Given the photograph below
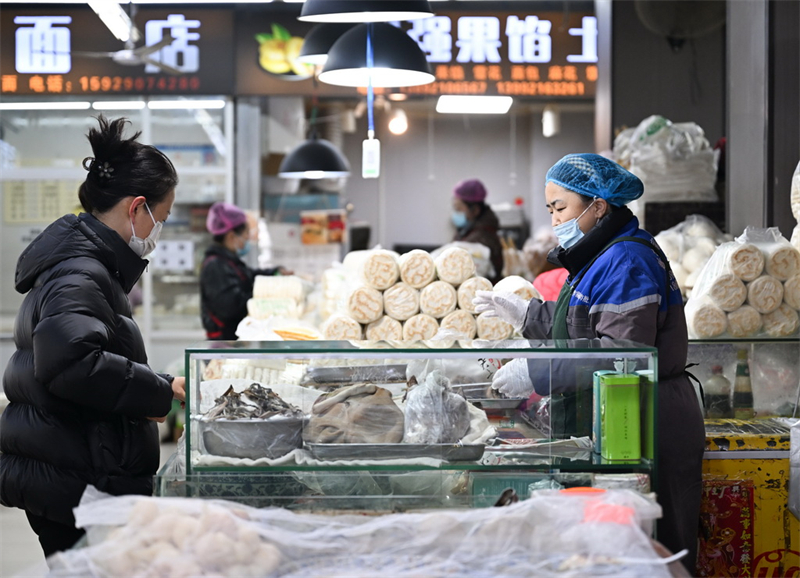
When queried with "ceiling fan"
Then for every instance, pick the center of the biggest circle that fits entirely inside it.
(115, 17)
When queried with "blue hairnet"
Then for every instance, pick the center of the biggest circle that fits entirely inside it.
(596, 176)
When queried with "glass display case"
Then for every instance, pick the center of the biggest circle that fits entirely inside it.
(377, 426)
(746, 465)
(773, 366)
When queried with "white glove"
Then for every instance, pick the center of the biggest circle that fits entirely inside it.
(513, 379)
(508, 306)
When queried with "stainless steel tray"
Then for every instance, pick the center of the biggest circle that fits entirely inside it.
(494, 403)
(447, 452)
(357, 374)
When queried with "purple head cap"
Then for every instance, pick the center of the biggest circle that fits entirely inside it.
(470, 191)
(224, 217)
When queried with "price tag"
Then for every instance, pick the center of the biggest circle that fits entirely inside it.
(371, 158)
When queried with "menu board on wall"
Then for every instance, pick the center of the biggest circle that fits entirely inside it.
(56, 51)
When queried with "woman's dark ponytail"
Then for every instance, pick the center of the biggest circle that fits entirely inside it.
(123, 167)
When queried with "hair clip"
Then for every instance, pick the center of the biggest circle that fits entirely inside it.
(105, 170)
(87, 163)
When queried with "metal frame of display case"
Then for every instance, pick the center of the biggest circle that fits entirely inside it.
(506, 469)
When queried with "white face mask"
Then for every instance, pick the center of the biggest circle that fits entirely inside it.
(143, 247)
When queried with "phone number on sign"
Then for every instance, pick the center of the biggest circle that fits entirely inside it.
(128, 83)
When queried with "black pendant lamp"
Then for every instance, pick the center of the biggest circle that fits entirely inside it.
(364, 10)
(397, 59)
(316, 158)
(319, 40)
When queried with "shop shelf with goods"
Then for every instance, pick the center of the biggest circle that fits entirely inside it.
(377, 426)
(41, 172)
(746, 468)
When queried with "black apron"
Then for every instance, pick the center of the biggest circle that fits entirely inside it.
(565, 420)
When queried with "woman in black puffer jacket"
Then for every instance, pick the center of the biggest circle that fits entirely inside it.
(83, 401)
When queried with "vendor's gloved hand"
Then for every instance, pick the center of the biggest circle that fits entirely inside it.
(513, 379)
(508, 306)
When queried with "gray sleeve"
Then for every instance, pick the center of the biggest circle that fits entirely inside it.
(539, 319)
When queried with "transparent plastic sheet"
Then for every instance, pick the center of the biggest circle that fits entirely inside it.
(749, 287)
(688, 246)
(435, 414)
(551, 534)
(794, 472)
(537, 247)
(362, 413)
(674, 160)
(276, 328)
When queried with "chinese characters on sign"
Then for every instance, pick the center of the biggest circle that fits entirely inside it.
(515, 55)
(179, 54)
(43, 53)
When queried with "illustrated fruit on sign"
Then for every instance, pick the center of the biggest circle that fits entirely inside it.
(278, 52)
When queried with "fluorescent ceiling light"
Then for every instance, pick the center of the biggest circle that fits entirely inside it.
(118, 105)
(185, 104)
(459, 104)
(116, 19)
(74, 105)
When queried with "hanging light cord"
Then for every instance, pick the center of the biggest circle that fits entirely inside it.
(314, 108)
(370, 94)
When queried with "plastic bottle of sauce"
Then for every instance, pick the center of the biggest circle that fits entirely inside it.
(742, 389)
(717, 392)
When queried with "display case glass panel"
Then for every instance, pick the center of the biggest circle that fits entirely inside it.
(373, 424)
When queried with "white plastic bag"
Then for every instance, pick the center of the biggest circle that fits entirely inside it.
(674, 160)
(434, 413)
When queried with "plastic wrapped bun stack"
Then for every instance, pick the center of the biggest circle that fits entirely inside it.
(688, 246)
(749, 287)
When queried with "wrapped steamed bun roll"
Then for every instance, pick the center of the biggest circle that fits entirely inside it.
(365, 304)
(744, 322)
(783, 261)
(420, 327)
(782, 322)
(380, 269)
(765, 294)
(468, 289)
(493, 328)
(461, 322)
(437, 299)
(455, 265)
(385, 329)
(401, 301)
(705, 319)
(728, 292)
(519, 286)
(746, 261)
(791, 292)
(417, 268)
(339, 327)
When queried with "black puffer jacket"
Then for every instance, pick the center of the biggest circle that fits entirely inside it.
(484, 231)
(79, 386)
(226, 284)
